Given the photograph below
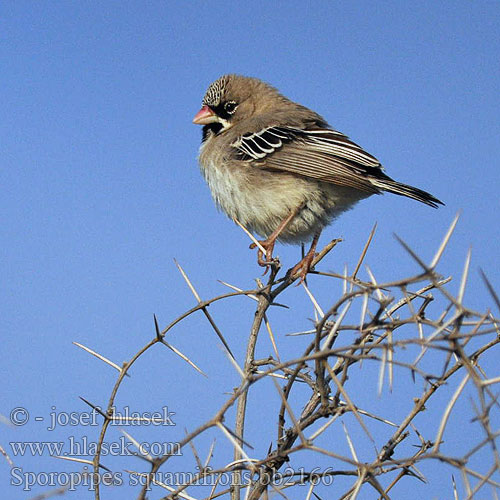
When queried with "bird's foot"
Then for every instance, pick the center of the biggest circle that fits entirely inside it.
(266, 260)
(303, 267)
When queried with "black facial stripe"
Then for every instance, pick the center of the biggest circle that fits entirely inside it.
(221, 112)
(215, 128)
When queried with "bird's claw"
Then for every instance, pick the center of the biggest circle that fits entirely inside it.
(266, 260)
(303, 267)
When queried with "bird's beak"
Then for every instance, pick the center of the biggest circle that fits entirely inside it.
(205, 116)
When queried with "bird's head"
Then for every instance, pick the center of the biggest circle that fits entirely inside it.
(233, 98)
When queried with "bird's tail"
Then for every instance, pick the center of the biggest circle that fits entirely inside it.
(405, 190)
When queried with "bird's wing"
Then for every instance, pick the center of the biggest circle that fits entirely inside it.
(322, 154)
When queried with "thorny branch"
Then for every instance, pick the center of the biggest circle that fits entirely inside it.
(394, 320)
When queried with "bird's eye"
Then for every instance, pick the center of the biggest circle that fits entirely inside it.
(230, 107)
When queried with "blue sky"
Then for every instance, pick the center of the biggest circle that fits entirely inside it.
(101, 188)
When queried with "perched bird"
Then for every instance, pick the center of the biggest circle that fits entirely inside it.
(279, 169)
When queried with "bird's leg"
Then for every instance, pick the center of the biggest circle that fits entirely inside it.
(269, 243)
(304, 266)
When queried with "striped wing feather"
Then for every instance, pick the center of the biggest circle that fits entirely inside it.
(321, 154)
(325, 155)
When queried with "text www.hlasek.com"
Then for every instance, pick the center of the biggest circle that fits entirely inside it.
(84, 448)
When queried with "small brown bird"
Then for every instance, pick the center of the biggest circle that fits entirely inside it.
(279, 169)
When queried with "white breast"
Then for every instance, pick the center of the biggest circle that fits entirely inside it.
(261, 199)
